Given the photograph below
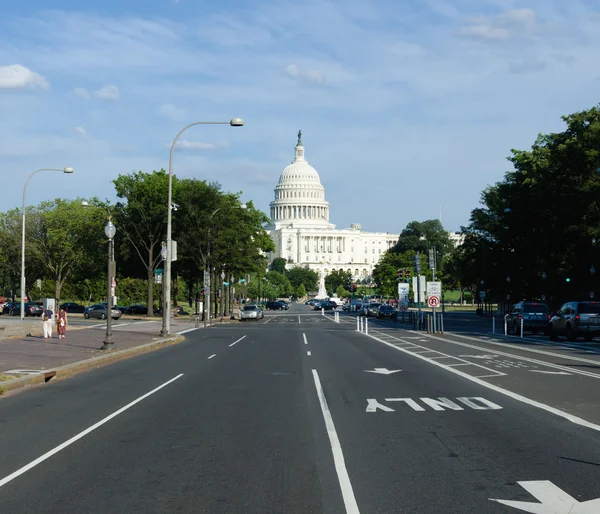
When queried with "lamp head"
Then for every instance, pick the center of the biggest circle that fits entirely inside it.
(110, 230)
(236, 122)
(243, 206)
(68, 170)
(85, 203)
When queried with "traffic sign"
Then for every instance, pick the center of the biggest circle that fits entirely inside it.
(433, 301)
(482, 295)
(403, 307)
(434, 288)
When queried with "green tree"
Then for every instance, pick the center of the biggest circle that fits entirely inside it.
(338, 278)
(142, 216)
(341, 292)
(305, 276)
(301, 291)
(421, 236)
(278, 264)
(284, 287)
(65, 239)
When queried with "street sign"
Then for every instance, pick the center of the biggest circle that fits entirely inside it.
(421, 298)
(39, 283)
(434, 289)
(482, 295)
(225, 284)
(433, 301)
(158, 271)
(403, 290)
(403, 307)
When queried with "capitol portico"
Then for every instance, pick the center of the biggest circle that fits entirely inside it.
(303, 235)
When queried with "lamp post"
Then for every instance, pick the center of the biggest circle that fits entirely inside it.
(110, 231)
(508, 289)
(222, 293)
(64, 170)
(592, 272)
(166, 321)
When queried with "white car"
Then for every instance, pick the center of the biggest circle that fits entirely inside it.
(251, 311)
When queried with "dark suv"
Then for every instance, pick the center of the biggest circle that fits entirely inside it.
(576, 319)
(276, 306)
(535, 316)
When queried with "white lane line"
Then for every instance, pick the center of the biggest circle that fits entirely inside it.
(533, 361)
(97, 325)
(236, 342)
(515, 396)
(213, 355)
(75, 438)
(299, 320)
(308, 353)
(181, 332)
(270, 319)
(304, 336)
(336, 449)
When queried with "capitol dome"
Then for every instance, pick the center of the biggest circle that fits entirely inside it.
(299, 195)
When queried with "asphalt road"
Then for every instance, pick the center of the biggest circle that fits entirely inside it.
(299, 414)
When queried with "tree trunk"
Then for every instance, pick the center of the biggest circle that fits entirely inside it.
(462, 291)
(58, 283)
(150, 311)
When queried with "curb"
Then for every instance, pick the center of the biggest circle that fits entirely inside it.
(95, 362)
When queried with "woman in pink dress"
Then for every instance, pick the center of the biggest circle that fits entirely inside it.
(61, 323)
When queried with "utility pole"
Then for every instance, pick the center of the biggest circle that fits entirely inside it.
(418, 270)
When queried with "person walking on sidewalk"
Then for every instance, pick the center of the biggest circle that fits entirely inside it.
(61, 323)
(47, 322)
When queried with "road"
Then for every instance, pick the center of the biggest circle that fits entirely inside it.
(298, 414)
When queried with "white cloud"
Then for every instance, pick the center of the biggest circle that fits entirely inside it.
(16, 76)
(82, 93)
(193, 145)
(82, 132)
(170, 111)
(308, 75)
(109, 92)
(505, 24)
(483, 32)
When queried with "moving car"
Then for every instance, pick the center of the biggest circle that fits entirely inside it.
(535, 316)
(72, 307)
(386, 312)
(277, 305)
(14, 309)
(251, 311)
(370, 309)
(100, 311)
(326, 305)
(576, 319)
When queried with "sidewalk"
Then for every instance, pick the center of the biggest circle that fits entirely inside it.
(34, 353)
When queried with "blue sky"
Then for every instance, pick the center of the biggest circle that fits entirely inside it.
(404, 106)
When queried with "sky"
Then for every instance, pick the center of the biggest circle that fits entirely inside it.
(406, 107)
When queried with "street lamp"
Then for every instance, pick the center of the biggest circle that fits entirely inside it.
(109, 230)
(166, 321)
(64, 170)
(592, 271)
(222, 292)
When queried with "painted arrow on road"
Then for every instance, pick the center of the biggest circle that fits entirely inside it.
(553, 500)
(382, 371)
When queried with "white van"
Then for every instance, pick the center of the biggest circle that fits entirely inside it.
(338, 301)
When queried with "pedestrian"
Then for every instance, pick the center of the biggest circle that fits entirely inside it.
(47, 322)
(61, 323)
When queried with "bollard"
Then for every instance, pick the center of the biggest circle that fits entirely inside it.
(521, 327)
(442, 320)
(322, 312)
(197, 321)
(493, 324)
(428, 324)
(505, 327)
(366, 326)
(358, 324)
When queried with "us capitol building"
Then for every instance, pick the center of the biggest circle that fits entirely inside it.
(303, 235)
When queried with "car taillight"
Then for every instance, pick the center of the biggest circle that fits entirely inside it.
(549, 317)
(577, 317)
(520, 316)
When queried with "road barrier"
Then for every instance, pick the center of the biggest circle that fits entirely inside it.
(358, 324)
(322, 312)
(435, 323)
(197, 322)
(367, 326)
(521, 327)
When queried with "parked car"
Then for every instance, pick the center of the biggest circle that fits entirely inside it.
(535, 316)
(251, 311)
(71, 307)
(276, 306)
(576, 319)
(386, 312)
(326, 305)
(31, 309)
(370, 309)
(138, 309)
(100, 311)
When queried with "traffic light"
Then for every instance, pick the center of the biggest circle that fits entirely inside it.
(401, 274)
(407, 274)
(354, 288)
(567, 279)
